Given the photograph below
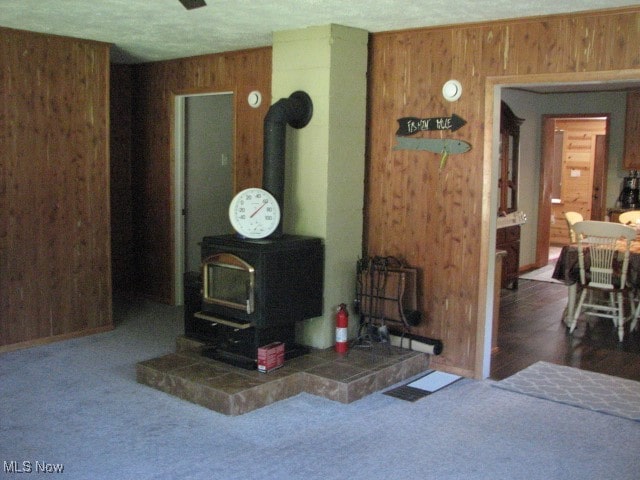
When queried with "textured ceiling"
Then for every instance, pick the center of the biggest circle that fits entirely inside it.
(150, 30)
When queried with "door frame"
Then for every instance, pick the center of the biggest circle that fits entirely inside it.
(493, 88)
(178, 101)
(546, 171)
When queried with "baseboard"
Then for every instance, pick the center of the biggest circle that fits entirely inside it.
(54, 338)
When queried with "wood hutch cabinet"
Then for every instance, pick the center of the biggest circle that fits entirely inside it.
(508, 238)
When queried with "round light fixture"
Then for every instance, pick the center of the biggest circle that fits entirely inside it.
(254, 99)
(452, 90)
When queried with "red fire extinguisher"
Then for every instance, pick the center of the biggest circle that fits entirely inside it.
(342, 322)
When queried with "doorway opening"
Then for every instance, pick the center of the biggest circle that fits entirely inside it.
(203, 176)
(494, 89)
(574, 162)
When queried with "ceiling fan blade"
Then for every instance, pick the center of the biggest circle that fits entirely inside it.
(191, 4)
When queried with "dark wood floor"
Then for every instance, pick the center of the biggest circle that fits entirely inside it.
(531, 330)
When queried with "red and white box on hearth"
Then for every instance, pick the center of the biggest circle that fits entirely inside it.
(270, 356)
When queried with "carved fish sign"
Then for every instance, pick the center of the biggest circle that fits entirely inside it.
(411, 125)
(435, 145)
(443, 146)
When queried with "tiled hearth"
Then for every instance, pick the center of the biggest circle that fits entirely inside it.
(234, 391)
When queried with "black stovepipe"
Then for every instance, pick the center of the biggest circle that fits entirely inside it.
(295, 111)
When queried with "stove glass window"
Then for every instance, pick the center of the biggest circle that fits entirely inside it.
(229, 281)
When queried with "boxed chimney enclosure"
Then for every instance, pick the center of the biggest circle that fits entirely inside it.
(252, 292)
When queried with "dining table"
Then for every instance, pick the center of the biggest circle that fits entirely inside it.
(567, 270)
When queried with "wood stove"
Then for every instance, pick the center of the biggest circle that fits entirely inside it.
(252, 293)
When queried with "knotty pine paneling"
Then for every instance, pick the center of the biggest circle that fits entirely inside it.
(54, 188)
(431, 217)
(154, 88)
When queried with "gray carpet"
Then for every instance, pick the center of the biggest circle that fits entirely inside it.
(77, 403)
(579, 388)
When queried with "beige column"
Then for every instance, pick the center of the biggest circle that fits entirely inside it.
(324, 186)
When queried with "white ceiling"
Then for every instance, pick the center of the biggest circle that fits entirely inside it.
(151, 30)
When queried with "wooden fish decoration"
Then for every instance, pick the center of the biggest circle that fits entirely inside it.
(443, 146)
(435, 145)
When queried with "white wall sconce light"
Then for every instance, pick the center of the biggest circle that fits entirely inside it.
(452, 90)
(254, 99)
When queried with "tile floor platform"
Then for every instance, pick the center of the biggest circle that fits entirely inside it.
(233, 391)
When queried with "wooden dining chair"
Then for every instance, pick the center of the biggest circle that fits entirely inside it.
(603, 258)
(572, 218)
(631, 217)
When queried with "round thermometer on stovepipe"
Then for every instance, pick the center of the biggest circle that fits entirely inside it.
(254, 213)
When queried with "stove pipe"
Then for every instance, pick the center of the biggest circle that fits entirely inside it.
(296, 111)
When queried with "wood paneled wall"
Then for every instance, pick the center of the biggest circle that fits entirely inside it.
(155, 87)
(54, 188)
(432, 216)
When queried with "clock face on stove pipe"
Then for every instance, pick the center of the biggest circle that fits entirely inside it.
(254, 213)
